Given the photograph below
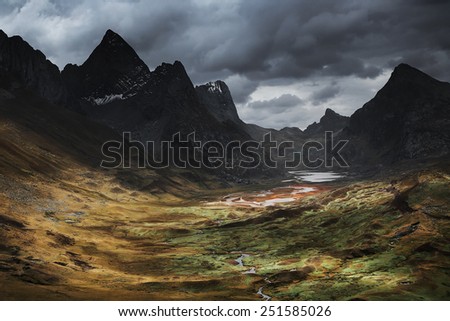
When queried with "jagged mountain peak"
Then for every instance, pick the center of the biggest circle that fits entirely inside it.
(404, 70)
(165, 67)
(330, 121)
(112, 38)
(331, 116)
(217, 87)
(405, 73)
(406, 79)
(30, 67)
(217, 96)
(22, 47)
(114, 52)
(109, 34)
(408, 117)
(330, 112)
(113, 41)
(113, 71)
(174, 76)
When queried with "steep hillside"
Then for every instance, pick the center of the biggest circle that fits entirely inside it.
(408, 118)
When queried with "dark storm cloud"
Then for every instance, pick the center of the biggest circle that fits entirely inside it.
(262, 39)
(277, 105)
(248, 43)
(323, 95)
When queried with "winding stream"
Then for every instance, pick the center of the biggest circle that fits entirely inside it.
(264, 296)
(240, 260)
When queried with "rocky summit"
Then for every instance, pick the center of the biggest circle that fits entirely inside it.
(331, 121)
(113, 71)
(407, 119)
(20, 64)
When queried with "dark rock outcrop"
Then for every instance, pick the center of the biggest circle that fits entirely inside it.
(20, 63)
(407, 119)
(217, 97)
(113, 71)
(115, 87)
(331, 121)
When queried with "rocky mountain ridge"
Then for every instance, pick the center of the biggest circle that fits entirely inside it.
(407, 119)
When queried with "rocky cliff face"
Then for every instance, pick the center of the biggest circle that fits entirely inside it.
(217, 97)
(30, 68)
(112, 72)
(115, 86)
(407, 119)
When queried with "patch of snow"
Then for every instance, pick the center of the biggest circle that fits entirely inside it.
(214, 87)
(106, 99)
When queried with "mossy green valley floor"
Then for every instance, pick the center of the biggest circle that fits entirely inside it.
(86, 237)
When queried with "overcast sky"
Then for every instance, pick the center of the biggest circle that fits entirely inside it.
(285, 61)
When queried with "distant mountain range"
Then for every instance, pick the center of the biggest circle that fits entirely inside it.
(407, 119)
